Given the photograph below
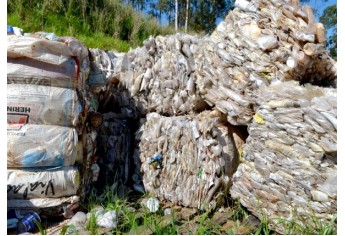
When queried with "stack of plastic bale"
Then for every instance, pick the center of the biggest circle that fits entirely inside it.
(258, 42)
(45, 79)
(262, 41)
(163, 76)
(187, 160)
(289, 170)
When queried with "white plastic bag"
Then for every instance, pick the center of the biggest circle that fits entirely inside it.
(36, 183)
(41, 145)
(29, 71)
(38, 104)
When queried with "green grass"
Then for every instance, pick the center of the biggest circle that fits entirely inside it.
(40, 228)
(91, 224)
(99, 40)
(134, 218)
(108, 24)
(315, 227)
(72, 228)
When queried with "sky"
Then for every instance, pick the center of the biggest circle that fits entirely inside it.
(314, 3)
(318, 5)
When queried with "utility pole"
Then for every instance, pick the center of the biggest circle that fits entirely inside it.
(186, 22)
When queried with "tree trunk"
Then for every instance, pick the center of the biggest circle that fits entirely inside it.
(186, 22)
(176, 15)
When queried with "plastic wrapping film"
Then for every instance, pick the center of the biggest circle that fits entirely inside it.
(48, 208)
(37, 47)
(46, 59)
(39, 203)
(187, 160)
(42, 183)
(38, 104)
(41, 145)
(289, 166)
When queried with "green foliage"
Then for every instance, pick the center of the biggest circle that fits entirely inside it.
(203, 14)
(329, 16)
(100, 40)
(206, 13)
(91, 224)
(64, 229)
(105, 24)
(239, 212)
(312, 227)
(40, 228)
(263, 228)
(329, 19)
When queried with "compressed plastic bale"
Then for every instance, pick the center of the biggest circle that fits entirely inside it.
(187, 160)
(114, 148)
(42, 183)
(254, 52)
(287, 171)
(86, 149)
(29, 71)
(39, 104)
(108, 62)
(155, 77)
(41, 145)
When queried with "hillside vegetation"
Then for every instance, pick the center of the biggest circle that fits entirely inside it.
(106, 24)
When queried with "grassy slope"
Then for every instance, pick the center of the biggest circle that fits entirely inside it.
(107, 25)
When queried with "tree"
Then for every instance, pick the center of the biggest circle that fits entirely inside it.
(205, 13)
(196, 15)
(329, 19)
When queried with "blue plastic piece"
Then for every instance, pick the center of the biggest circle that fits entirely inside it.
(40, 158)
(156, 158)
(52, 36)
(10, 29)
